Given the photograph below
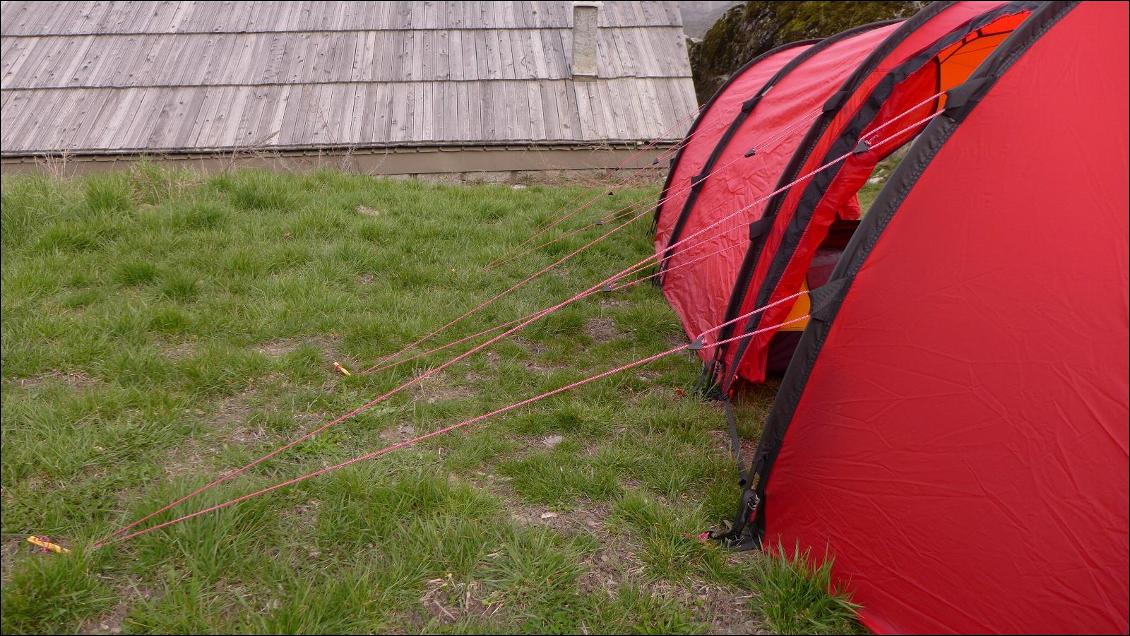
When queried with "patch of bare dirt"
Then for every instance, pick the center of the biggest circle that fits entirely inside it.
(366, 279)
(283, 346)
(178, 351)
(399, 433)
(76, 380)
(305, 515)
(448, 600)
(279, 348)
(438, 388)
(725, 609)
(532, 346)
(113, 622)
(227, 424)
(602, 329)
(612, 303)
(721, 440)
(610, 567)
(367, 211)
(8, 550)
(234, 408)
(189, 458)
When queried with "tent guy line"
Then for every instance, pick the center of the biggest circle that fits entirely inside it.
(381, 398)
(763, 144)
(504, 325)
(698, 343)
(572, 211)
(638, 207)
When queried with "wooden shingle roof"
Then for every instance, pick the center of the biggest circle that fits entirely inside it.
(135, 77)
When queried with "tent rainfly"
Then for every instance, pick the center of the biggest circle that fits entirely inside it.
(952, 424)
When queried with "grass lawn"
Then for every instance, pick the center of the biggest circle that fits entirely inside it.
(160, 328)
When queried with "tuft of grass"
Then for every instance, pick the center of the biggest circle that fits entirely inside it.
(160, 327)
(179, 287)
(108, 193)
(48, 595)
(796, 594)
(135, 273)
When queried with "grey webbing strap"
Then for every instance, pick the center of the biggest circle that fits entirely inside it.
(736, 443)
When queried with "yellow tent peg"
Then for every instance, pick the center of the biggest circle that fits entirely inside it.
(42, 542)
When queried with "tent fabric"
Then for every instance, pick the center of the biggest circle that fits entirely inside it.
(707, 278)
(775, 126)
(953, 428)
(804, 213)
(715, 116)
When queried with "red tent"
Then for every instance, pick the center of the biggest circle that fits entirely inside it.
(953, 426)
(719, 264)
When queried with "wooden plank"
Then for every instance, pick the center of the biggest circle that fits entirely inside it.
(392, 57)
(398, 126)
(355, 110)
(19, 56)
(105, 136)
(292, 131)
(214, 102)
(383, 114)
(47, 128)
(427, 55)
(368, 117)
(129, 129)
(222, 56)
(169, 118)
(442, 69)
(589, 108)
(537, 129)
(494, 53)
(240, 124)
(487, 110)
(157, 50)
(252, 59)
(421, 109)
(467, 119)
(400, 64)
(336, 56)
(14, 119)
(568, 109)
(321, 129)
(365, 68)
(81, 61)
(163, 119)
(655, 120)
(342, 122)
(619, 101)
(231, 116)
(275, 102)
(449, 113)
(23, 130)
(190, 111)
(551, 120)
(417, 54)
(506, 61)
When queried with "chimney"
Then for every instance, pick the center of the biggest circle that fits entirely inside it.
(584, 37)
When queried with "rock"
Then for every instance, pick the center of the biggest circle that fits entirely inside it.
(552, 441)
(748, 30)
